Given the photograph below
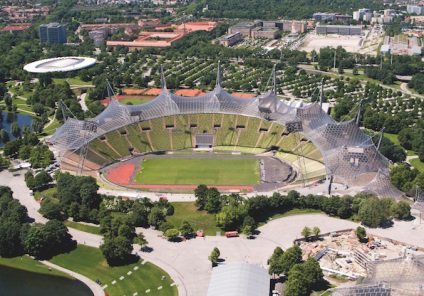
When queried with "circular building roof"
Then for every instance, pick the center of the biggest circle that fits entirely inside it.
(62, 64)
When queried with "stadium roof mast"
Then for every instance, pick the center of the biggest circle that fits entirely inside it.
(110, 92)
(381, 137)
(358, 117)
(218, 76)
(275, 87)
(162, 78)
(64, 109)
(321, 98)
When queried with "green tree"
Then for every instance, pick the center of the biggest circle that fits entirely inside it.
(140, 239)
(116, 250)
(186, 229)
(35, 240)
(42, 179)
(4, 136)
(361, 233)
(51, 210)
(372, 212)
(172, 234)
(15, 129)
(316, 231)
(401, 210)
(214, 256)
(274, 262)
(201, 194)
(156, 216)
(291, 256)
(306, 232)
(38, 109)
(213, 203)
(164, 226)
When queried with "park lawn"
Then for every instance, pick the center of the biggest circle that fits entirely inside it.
(18, 101)
(198, 171)
(48, 193)
(392, 137)
(295, 212)
(71, 81)
(197, 219)
(51, 129)
(416, 163)
(90, 262)
(29, 264)
(134, 101)
(83, 227)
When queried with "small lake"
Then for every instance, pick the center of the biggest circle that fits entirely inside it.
(24, 283)
(9, 118)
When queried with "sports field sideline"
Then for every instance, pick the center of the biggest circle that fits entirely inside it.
(198, 171)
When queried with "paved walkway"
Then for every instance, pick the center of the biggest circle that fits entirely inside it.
(187, 262)
(94, 287)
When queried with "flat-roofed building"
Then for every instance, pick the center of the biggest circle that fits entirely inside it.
(323, 16)
(340, 30)
(244, 28)
(261, 32)
(230, 39)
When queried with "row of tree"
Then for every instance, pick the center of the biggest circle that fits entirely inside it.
(18, 236)
(302, 277)
(234, 212)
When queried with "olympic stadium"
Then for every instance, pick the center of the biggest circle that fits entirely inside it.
(62, 64)
(171, 123)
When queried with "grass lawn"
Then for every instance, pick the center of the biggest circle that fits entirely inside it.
(392, 137)
(198, 171)
(91, 263)
(134, 101)
(296, 212)
(416, 163)
(197, 219)
(50, 130)
(83, 227)
(71, 81)
(48, 193)
(29, 264)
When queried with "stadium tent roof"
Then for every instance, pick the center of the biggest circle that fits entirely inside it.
(62, 64)
(349, 154)
(239, 279)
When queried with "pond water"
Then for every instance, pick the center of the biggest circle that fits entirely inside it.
(9, 118)
(24, 283)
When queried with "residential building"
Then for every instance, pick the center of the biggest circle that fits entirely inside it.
(417, 9)
(359, 14)
(15, 28)
(52, 33)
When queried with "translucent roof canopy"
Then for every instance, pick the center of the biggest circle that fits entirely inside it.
(349, 155)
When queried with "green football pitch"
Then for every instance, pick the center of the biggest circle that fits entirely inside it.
(198, 171)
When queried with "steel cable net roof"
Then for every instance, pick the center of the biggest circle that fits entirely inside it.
(419, 199)
(394, 277)
(349, 155)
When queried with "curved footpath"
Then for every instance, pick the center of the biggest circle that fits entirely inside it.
(187, 262)
(94, 287)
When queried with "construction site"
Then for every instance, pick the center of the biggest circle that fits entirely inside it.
(375, 266)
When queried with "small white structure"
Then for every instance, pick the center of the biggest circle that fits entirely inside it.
(63, 64)
(239, 279)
